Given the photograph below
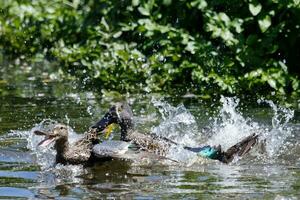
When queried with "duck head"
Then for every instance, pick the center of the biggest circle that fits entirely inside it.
(120, 114)
(58, 133)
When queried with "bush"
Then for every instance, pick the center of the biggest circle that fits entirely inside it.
(205, 47)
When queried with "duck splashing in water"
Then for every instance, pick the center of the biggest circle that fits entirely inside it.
(77, 153)
(121, 114)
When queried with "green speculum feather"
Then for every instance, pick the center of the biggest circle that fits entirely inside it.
(208, 152)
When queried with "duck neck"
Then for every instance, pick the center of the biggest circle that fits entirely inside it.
(61, 146)
(126, 130)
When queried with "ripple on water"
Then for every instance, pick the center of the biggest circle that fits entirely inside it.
(13, 192)
(19, 174)
(28, 171)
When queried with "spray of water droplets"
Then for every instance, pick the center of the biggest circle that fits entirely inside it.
(177, 123)
(45, 157)
(228, 127)
(280, 131)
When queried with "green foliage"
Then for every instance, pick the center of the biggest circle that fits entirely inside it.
(206, 47)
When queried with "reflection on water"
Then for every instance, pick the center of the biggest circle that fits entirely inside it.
(28, 171)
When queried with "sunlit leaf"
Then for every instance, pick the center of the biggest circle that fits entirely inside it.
(191, 47)
(283, 66)
(200, 4)
(272, 83)
(224, 17)
(255, 8)
(117, 34)
(135, 2)
(295, 84)
(264, 23)
(103, 22)
(144, 11)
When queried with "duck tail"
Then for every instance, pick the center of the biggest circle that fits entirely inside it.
(239, 149)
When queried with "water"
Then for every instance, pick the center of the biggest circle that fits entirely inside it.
(27, 171)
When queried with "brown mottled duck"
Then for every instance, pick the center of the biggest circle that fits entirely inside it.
(79, 152)
(122, 115)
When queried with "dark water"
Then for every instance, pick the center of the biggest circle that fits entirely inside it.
(26, 101)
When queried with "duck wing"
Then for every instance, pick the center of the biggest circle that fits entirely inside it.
(239, 149)
(77, 154)
(110, 149)
(80, 151)
(114, 149)
(150, 143)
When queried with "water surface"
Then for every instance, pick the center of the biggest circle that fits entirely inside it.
(28, 172)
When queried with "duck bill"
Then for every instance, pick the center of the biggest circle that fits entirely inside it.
(37, 132)
(46, 141)
(108, 130)
(48, 138)
(102, 124)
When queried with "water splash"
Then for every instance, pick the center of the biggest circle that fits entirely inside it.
(45, 156)
(178, 124)
(62, 174)
(67, 119)
(230, 127)
(280, 131)
(52, 174)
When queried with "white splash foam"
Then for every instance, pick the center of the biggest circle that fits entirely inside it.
(280, 131)
(45, 155)
(182, 156)
(230, 126)
(52, 174)
(178, 123)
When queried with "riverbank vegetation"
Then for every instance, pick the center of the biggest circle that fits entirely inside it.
(198, 46)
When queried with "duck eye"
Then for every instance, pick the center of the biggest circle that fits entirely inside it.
(61, 128)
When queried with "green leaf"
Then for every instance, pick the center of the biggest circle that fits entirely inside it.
(255, 9)
(135, 2)
(272, 83)
(200, 4)
(224, 17)
(104, 23)
(251, 40)
(264, 23)
(143, 11)
(191, 47)
(167, 2)
(295, 84)
(117, 34)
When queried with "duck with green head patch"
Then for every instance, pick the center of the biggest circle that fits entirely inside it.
(121, 114)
